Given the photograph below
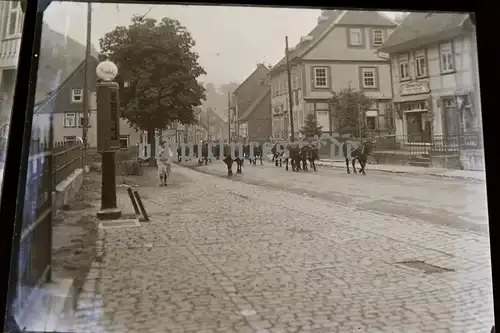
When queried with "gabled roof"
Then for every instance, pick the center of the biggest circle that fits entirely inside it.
(255, 104)
(41, 106)
(422, 25)
(366, 18)
(259, 66)
(315, 33)
(334, 18)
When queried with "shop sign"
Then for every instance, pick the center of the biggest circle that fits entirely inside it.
(414, 88)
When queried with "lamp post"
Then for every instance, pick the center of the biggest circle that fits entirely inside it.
(108, 136)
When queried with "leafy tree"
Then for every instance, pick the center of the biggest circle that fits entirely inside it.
(156, 59)
(311, 127)
(350, 106)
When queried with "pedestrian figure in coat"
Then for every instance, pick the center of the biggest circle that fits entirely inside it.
(164, 163)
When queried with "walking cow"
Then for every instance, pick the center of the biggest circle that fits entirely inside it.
(361, 154)
(310, 153)
(228, 158)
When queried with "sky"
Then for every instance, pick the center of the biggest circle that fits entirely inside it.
(231, 41)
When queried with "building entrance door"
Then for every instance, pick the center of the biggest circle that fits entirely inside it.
(418, 127)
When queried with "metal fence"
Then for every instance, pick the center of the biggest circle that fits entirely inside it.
(47, 167)
(67, 158)
(427, 144)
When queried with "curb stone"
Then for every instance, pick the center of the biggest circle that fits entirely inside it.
(326, 164)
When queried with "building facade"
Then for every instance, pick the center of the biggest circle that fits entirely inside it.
(65, 104)
(434, 74)
(11, 19)
(252, 101)
(339, 53)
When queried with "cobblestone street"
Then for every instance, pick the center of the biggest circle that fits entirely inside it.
(232, 256)
(457, 203)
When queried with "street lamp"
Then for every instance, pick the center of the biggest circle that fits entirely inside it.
(108, 136)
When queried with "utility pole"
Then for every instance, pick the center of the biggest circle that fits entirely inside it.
(208, 123)
(290, 97)
(85, 125)
(229, 114)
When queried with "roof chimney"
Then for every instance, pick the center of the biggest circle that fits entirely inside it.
(306, 38)
(322, 19)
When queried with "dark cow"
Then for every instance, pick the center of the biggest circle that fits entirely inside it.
(228, 159)
(294, 156)
(257, 154)
(278, 151)
(204, 158)
(361, 154)
(310, 153)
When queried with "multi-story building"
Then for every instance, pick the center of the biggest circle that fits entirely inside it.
(252, 101)
(340, 52)
(65, 104)
(435, 77)
(60, 55)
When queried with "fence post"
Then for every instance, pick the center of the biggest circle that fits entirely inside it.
(50, 182)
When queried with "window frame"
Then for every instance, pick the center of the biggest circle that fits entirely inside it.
(19, 19)
(124, 137)
(80, 118)
(73, 95)
(404, 60)
(372, 70)
(67, 116)
(446, 49)
(315, 78)
(350, 34)
(381, 36)
(374, 118)
(65, 138)
(420, 57)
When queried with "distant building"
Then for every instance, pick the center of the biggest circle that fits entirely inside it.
(253, 106)
(340, 52)
(66, 106)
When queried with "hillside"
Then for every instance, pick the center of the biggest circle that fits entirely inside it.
(59, 57)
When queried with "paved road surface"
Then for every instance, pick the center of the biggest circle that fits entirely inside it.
(442, 201)
(222, 256)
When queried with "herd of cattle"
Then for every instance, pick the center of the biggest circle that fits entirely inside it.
(295, 155)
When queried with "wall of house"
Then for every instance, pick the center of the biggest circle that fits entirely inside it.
(459, 81)
(334, 45)
(60, 131)
(345, 74)
(280, 97)
(9, 46)
(259, 122)
(253, 87)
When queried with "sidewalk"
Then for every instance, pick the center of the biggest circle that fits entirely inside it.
(437, 172)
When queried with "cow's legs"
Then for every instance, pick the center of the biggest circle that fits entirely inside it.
(229, 163)
(347, 164)
(363, 164)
